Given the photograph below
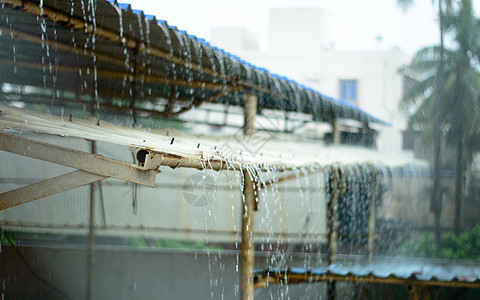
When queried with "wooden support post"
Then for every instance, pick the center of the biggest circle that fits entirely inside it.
(225, 116)
(372, 216)
(91, 236)
(333, 218)
(171, 101)
(247, 249)
(332, 224)
(335, 132)
(250, 111)
(47, 188)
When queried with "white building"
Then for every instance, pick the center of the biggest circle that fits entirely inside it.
(300, 46)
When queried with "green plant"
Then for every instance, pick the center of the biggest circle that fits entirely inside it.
(464, 246)
(135, 241)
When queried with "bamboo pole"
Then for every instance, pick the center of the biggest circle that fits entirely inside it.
(120, 75)
(250, 111)
(91, 236)
(247, 249)
(372, 216)
(275, 277)
(152, 159)
(335, 132)
(54, 44)
(333, 219)
(333, 228)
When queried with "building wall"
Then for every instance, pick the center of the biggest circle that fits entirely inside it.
(299, 48)
(379, 85)
(298, 30)
(235, 39)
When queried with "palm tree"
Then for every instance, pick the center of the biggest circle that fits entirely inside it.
(464, 83)
(459, 104)
(436, 200)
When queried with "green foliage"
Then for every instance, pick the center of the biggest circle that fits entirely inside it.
(135, 241)
(179, 244)
(464, 246)
(421, 247)
(172, 244)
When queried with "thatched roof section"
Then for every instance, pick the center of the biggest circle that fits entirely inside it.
(99, 51)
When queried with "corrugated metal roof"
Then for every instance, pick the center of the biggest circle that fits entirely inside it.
(124, 54)
(260, 149)
(403, 271)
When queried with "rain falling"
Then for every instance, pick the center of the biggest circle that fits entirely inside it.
(140, 161)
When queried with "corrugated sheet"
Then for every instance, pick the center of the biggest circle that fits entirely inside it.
(259, 149)
(421, 271)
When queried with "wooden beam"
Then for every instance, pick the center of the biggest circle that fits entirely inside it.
(250, 112)
(87, 162)
(121, 75)
(247, 247)
(37, 98)
(335, 132)
(332, 222)
(171, 101)
(328, 277)
(54, 44)
(47, 188)
(199, 162)
(91, 235)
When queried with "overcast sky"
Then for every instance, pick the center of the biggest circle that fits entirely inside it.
(355, 25)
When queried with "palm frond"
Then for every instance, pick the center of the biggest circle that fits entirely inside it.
(422, 89)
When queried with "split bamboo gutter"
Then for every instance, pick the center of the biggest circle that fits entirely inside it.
(152, 159)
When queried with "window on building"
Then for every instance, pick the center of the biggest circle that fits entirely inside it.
(348, 90)
(408, 140)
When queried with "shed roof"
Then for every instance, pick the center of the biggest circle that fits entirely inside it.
(261, 149)
(130, 61)
(401, 272)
